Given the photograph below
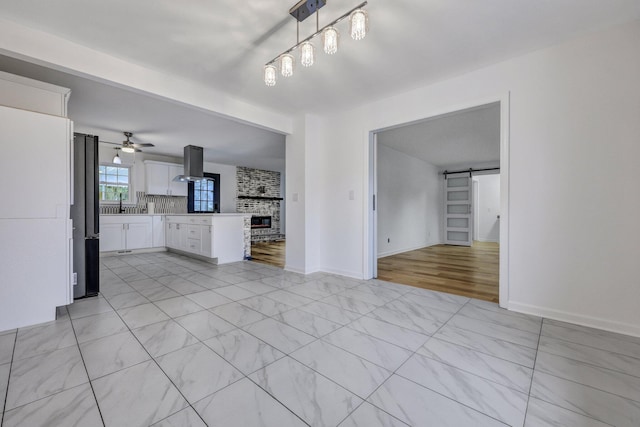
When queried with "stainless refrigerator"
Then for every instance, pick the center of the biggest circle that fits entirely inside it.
(86, 216)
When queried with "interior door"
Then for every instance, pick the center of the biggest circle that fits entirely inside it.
(458, 214)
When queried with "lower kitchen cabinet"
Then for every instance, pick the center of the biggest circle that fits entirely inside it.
(125, 232)
(111, 237)
(217, 236)
(157, 223)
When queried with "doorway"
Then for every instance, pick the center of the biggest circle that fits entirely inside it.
(425, 259)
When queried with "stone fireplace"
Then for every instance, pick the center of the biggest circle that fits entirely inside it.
(259, 195)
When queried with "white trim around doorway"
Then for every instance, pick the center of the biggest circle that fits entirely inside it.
(370, 215)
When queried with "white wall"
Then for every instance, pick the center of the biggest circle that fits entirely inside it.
(488, 208)
(409, 202)
(574, 112)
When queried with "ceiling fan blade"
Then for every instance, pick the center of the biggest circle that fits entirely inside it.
(143, 144)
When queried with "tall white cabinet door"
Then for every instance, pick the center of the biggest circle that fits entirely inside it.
(139, 235)
(112, 237)
(35, 166)
(157, 178)
(458, 213)
(177, 188)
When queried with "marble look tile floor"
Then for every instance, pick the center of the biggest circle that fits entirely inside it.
(172, 341)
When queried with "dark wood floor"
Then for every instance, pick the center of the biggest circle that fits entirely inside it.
(468, 271)
(272, 253)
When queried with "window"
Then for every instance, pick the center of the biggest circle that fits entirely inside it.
(114, 181)
(204, 196)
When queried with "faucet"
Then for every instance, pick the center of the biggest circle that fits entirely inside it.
(121, 209)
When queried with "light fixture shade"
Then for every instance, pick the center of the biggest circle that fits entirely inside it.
(307, 54)
(330, 40)
(269, 75)
(117, 160)
(359, 20)
(128, 149)
(286, 65)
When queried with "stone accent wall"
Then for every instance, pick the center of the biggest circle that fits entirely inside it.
(260, 183)
(164, 205)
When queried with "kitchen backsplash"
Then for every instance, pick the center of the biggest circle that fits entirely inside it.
(163, 205)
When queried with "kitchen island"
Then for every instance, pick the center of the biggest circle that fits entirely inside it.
(218, 238)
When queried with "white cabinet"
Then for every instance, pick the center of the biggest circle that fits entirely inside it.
(32, 95)
(125, 232)
(207, 240)
(177, 188)
(111, 237)
(159, 177)
(157, 223)
(212, 236)
(138, 236)
(176, 235)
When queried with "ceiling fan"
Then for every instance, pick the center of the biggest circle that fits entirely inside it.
(127, 146)
(131, 147)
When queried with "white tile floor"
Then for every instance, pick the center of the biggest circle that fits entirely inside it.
(176, 342)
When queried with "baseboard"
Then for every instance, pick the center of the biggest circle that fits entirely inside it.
(133, 252)
(578, 319)
(487, 240)
(351, 274)
(294, 269)
(389, 253)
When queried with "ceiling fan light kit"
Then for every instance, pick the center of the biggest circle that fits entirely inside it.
(358, 28)
(116, 159)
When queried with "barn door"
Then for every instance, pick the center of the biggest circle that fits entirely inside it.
(458, 212)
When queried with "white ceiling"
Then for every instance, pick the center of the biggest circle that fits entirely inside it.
(225, 43)
(106, 111)
(457, 140)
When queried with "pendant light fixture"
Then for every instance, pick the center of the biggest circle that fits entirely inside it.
(330, 40)
(307, 54)
(359, 20)
(359, 26)
(286, 65)
(270, 75)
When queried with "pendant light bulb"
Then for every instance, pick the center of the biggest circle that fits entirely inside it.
(270, 75)
(359, 20)
(286, 65)
(307, 54)
(330, 40)
(116, 159)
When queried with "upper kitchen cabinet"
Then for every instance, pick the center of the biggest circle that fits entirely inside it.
(32, 95)
(159, 177)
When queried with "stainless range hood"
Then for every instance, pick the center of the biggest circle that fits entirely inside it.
(193, 169)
